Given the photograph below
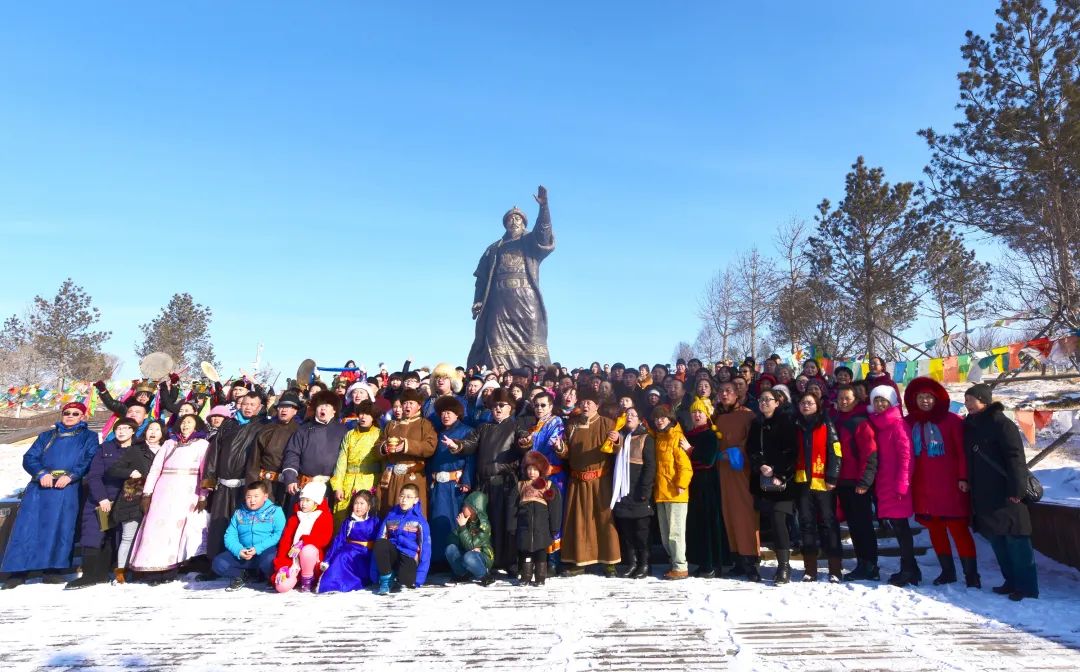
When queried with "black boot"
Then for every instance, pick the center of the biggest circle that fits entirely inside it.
(739, 568)
(836, 569)
(809, 566)
(526, 569)
(948, 570)
(783, 568)
(641, 569)
(631, 565)
(909, 574)
(540, 573)
(95, 566)
(864, 571)
(751, 563)
(971, 572)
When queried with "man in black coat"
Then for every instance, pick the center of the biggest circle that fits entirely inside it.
(997, 477)
(226, 464)
(498, 449)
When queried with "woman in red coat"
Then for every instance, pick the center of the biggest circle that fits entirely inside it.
(305, 539)
(940, 485)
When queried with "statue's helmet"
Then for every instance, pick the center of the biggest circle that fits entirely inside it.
(512, 211)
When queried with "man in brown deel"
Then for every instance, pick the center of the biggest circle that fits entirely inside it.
(737, 501)
(589, 535)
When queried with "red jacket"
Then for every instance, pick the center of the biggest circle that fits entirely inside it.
(321, 534)
(858, 446)
(940, 463)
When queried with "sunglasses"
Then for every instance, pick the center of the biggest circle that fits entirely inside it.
(71, 414)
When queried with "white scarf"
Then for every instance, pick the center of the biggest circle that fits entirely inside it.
(307, 521)
(621, 487)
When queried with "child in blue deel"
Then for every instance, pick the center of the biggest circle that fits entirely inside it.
(403, 547)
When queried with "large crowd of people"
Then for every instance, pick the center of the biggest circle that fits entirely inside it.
(377, 481)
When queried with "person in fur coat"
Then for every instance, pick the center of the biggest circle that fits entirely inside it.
(304, 541)
(939, 487)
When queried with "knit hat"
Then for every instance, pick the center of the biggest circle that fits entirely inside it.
(76, 405)
(358, 385)
(703, 405)
(885, 392)
(783, 389)
(314, 491)
(223, 411)
(489, 385)
(981, 392)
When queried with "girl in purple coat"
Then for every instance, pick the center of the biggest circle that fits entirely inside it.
(348, 564)
(893, 481)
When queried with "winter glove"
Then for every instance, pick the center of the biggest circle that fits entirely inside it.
(144, 503)
(100, 385)
(201, 506)
(174, 378)
(735, 458)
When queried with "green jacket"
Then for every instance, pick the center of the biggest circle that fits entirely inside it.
(476, 533)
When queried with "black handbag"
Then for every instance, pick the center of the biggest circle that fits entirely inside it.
(1033, 492)
(769, 485)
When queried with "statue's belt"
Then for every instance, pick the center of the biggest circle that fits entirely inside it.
(512, 282)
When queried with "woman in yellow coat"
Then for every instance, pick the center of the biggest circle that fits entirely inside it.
(359, 463)
(671, 488)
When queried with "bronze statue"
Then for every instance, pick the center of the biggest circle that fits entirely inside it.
(511, 321)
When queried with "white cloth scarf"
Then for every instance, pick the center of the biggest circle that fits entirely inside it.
(307, 521)
(621, 487)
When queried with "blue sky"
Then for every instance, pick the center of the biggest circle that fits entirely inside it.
(326, 175)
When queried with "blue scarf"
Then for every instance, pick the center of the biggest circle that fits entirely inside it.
(927, 434)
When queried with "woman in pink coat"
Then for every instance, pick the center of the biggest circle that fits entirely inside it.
(892, 485)
(940, 487)
(174, 528)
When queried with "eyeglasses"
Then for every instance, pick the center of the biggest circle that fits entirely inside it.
(543, 405)
(71, 414)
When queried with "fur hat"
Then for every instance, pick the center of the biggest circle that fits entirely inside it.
(457, 378)
(783, 389)
(885, 392)
(358, 385)
(449, 403)
(314, 491)
(412, 395)
(535, 458)
(489, 385)
(366, 407)
(326, 397)
(501, 395)
(588, 394)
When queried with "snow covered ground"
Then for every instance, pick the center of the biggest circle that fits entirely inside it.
(571, 624)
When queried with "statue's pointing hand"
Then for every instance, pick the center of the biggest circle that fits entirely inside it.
(541, 195)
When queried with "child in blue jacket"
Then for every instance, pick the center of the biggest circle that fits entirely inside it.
(251, 540)
(403, 547)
